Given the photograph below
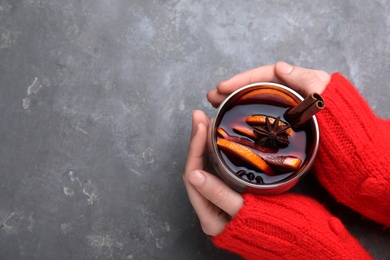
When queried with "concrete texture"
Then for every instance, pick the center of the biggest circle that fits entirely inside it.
(95, 112)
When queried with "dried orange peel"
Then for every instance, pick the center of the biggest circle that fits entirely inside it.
(246, 154)
(222, 132)
(261, 120)
(242, 130)
(268, 96)
(235, 139)
(243, 141)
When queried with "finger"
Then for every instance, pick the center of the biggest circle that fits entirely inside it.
(198, 116)
(217, 192)
(265, 74)
(212, 218)
(304, 81)
(195, 157)
(195, 161)
(215, 98)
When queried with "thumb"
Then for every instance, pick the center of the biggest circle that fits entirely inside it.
(304, 81)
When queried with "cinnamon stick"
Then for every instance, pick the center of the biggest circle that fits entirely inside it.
(302, 112)
(284, 162)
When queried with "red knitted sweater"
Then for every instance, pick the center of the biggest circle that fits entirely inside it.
(352, 164)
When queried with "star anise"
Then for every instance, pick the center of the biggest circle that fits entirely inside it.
(272, 135)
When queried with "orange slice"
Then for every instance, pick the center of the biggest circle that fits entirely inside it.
(236, 139)
(244, 141)
(260, 120)
(246, 154)
(242, 130)
(268, 96)
(222, 132)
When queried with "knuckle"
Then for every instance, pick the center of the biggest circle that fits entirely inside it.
(309, 77)
(322, 72)
(218, 195)
(323, 75)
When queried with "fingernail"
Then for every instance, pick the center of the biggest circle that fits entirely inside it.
(285, 68)
(197, 178)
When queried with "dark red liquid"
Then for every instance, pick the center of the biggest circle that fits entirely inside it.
(236, 116)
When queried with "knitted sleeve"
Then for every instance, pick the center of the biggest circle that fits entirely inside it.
(353, 161)
(287, 226)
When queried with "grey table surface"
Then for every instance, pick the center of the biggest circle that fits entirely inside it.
(95, 112)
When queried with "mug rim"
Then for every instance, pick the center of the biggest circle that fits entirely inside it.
(289, 181)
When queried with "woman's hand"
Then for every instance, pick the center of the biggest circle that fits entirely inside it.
(214, 202)
(304, 81)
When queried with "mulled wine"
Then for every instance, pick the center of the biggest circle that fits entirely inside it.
(258, 145)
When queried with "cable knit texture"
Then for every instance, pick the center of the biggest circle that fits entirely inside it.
(353, 161)
(288, 226)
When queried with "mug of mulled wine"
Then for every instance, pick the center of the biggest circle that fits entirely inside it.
(264, 138)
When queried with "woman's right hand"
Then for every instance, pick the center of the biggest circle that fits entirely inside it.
(304, 81)
(214, 201)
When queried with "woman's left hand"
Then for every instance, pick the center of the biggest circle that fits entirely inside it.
(214, 202)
